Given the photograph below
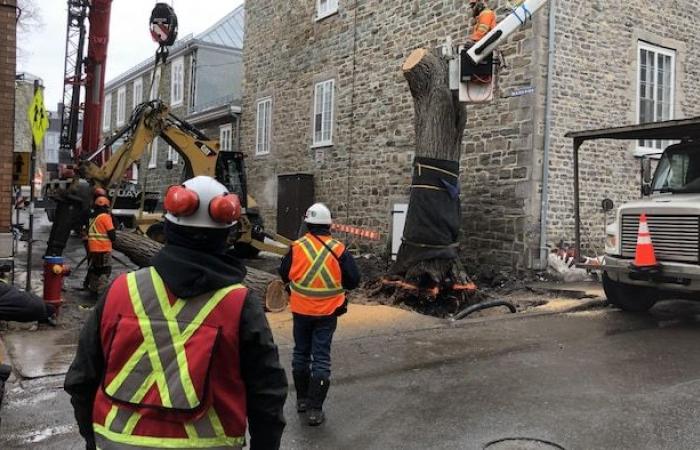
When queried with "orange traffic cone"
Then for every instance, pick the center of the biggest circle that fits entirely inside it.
(645, 256)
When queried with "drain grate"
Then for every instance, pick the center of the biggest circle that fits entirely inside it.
(522, 444)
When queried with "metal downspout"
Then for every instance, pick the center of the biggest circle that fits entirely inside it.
(547, 132)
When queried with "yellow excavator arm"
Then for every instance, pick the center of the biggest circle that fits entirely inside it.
(150, 121)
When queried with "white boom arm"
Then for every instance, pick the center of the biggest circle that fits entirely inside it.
(520, 15)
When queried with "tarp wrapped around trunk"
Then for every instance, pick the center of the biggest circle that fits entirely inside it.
(434, 211)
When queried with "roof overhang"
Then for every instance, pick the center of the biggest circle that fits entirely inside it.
(668, 130)
(215, 113)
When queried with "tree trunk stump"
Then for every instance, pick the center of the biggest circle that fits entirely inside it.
(428, 263)
(140, 249)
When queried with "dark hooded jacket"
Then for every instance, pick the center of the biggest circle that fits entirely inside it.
(188, 273)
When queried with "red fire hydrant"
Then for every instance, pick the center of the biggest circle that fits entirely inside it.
(55, 270)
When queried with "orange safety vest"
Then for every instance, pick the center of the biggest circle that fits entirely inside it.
(172, 368)
(484, 23)
(315, 276)
(98, 239)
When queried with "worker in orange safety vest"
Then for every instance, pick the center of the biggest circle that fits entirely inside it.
(319, 270)
(485, 21)
(180, 355)
(101, 234)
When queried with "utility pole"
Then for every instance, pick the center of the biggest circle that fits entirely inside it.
(32, 172)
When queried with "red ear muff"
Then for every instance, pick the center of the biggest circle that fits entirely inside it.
(225, 208)
(180, 201)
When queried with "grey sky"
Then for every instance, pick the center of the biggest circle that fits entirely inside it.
(42, 53)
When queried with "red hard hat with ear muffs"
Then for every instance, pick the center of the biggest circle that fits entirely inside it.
(202, 202)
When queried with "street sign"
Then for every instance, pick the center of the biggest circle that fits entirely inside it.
(38, 118)
(20, 168)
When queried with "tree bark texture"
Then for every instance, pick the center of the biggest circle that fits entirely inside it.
(140, 249)
(428, 257)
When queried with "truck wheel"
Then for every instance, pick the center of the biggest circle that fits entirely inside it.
(628, 297)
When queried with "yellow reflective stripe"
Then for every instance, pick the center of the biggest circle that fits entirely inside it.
(216, 423)
(191, 432)
(110, 416)
(483, 27)
(207, 309)
(98, 237)
(315, 292)
(143, 389)
(149, 340)
(132, 422)
(126, 370)
(302, 246)
(176, 339)
(161, 442)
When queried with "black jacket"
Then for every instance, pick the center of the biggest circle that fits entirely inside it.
(348, 268)
(21, 306)
(188, 273)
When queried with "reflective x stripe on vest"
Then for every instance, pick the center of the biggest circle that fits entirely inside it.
(318, 270)
(93, 232)
(161, 362)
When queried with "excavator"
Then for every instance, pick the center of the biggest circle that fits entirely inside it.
(101, 168)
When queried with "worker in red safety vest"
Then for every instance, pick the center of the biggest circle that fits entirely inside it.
(101, 234)
(319, 270)
(180, 354)
(485, 21)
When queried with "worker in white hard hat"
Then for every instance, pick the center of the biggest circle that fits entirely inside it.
(319, 270)
(180, 355)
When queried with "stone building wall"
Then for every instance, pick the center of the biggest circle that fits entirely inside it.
(368, 167)
(595, 86)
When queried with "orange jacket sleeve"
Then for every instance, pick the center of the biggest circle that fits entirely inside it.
(104, 223)
(484, 23)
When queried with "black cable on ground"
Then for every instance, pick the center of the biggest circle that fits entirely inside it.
(481, 306)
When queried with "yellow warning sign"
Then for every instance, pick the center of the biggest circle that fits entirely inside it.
(38, 118)
(20, 168)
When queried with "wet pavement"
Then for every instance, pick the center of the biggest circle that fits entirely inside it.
(597, 379)
(594, 379)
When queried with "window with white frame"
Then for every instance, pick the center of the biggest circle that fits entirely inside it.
(177, 81)
(153, 160)
(225, 137)
(325, 8)
(107, 113)
(173, 155)
(323, 113)
(121, 106)
(655, 90)
(138, 93)
(263, 127)
(156, 84)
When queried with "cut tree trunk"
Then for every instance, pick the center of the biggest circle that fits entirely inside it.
(428, 259)
(140, 249)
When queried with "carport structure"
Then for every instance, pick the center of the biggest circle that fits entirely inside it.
(673, 130)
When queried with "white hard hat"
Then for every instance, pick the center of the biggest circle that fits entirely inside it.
(318, 214)
(202, 202)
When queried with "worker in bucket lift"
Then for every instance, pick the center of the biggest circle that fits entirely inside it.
(318, 270)
(180, 355)
(101, 234)
(485, 21)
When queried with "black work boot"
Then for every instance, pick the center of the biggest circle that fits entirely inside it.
(318, 389)
(301, 384)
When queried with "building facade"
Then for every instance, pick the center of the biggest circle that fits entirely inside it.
(8, 66)
(201, 82)
(324, 94)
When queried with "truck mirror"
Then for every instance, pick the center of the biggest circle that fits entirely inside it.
(608, 205)
(646, 171)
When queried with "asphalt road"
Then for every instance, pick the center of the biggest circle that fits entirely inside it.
(600, 379)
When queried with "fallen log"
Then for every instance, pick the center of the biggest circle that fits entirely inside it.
(140, 249)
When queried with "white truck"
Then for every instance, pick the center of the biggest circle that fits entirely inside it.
(671, 202)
